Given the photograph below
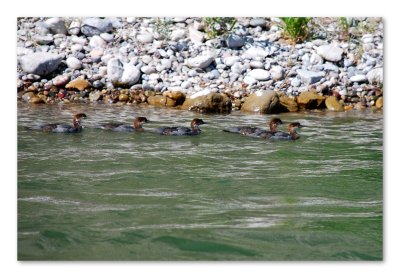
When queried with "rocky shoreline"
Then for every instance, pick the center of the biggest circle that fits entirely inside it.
(173, 62)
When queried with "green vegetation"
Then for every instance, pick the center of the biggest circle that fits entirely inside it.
(219, 26)
(296, 28)
(164, 27)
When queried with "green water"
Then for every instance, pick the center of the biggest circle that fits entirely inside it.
(104, 195)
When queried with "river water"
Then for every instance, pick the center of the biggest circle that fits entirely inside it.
(102, 195)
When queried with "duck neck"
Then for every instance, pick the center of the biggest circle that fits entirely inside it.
(77, 123)
(272, 127)
(294, 134)
(137, 125)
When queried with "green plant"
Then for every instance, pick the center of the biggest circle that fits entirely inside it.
(163, 27)
(219, 26)
(296, 28)
(344, 28)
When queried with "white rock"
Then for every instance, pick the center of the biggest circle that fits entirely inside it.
(254, 52)
(359, 78)
(330, 52)
(40, 63)
(76, 48)
(122, 74)
(201, 93)
(249, 80)
(200, 61)
(178, 34)
(375, 76)
(56, 25)
(73, 63)
(195, 35)
(229, 61)
(260, 74)
(145, 37)
(74, 28)
(276, 73)
(97, 42)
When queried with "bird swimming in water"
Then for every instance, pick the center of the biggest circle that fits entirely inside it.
(64, 128)
(255, 131)
(181, 130)
(137, 125)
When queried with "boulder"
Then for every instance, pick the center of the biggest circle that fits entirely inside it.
(266, 102)
(288, 103)
(310, 100)
(161, 101)
(208, 102)
(333, 104)
(40, 63)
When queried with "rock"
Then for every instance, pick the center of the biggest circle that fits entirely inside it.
(76, 48)
(310, 100)
(295, 82)
(310, 77)
(260, 74)
(379, 103)
(107, 37)
(196, 36)
(208, 102)
(40, 63)
(265, 102)
(255, 52)
(123, 97)
(61, 80)
(258, 22)
(359, 78)
(36, 100)
(331, 67)
(74, 28)
(28, 96)
(145, 37)
(80, 84)
(333, 104)
(43, 40)
(178, 97)
(249, 80)
(200, 61)
(122, 74)
(375, 76)
(234, 41)
(256, 64)
(288, 103)
(148, 69)
(73, 63)
(330, 52)
(95, 96)
(276, 73)
(161, 101)
(97, 42)
(56, 25)
(178, 34)
(229, 61)
(95, 26)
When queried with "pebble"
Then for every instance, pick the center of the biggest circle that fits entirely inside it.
(122, 74)
(200, 61)
(310, 77)
(277, 73)
(95, 26)
(234, 41)
(73, 63)
(330, 52)
(97, 42)
(56, 25)
(260, 74)
(359, 78)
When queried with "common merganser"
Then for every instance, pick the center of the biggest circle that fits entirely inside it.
(136, 126)
(292, 135)
(64, 128)
(181, 130)
(255, 131)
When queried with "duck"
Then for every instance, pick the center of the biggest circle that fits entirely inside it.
(181, 130)
(65, 128)
(292, 135)
(137, 125)
(255, 131)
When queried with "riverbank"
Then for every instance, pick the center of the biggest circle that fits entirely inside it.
(180, 63)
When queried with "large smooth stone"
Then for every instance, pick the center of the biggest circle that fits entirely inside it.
(265, 102)
(330, 52)
(122, 74)
(208, 102)
(288, 103)
(310, 100)
(95, 26)
(200, 61)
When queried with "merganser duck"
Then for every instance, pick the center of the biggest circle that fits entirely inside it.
(292, 135)
(255, 131)
(64, 128)
(181, 130)
(136, 126)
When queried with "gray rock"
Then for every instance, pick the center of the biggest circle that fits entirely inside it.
(330, 52)
(375, 76)
(258, 22)
(200, 61)
(178, 34)
(238, 68)
(359, 78)
(40, 63)
(56, 25)
(107, 37)
(310, 77)
(73, 63)
(229, 61)
(249, 80)
(95, 26)
(277, 73)
(122, 74)
(331, 67)
(76, 48)
(256, 64)
(260, 74)
(315, 59)
(234, 41)
(43, 40)
(295, 82)
(148, 69)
